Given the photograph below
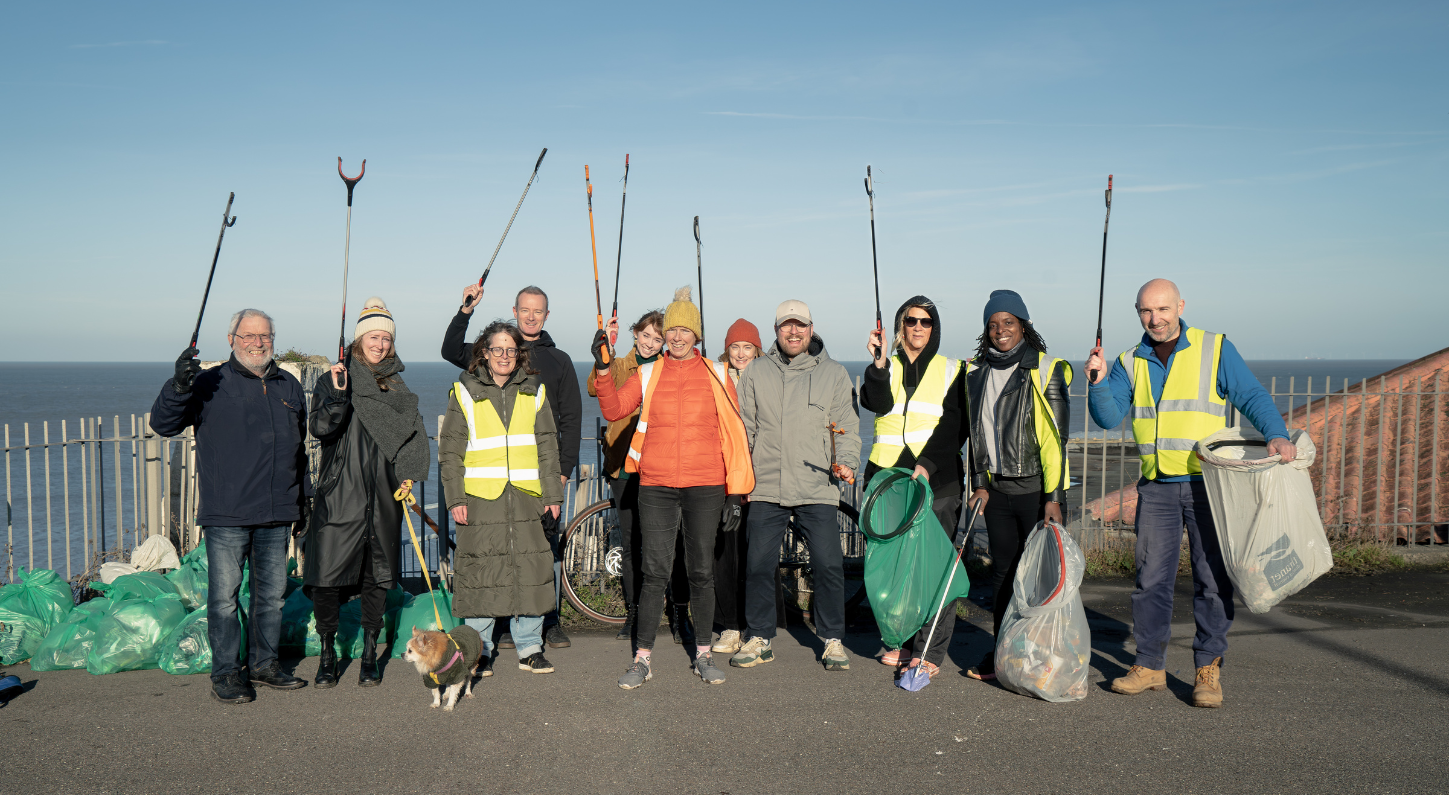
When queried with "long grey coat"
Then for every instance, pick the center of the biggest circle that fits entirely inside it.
(788, 408)
(503, 565)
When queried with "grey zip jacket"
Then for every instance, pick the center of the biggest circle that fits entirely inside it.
(788, 408)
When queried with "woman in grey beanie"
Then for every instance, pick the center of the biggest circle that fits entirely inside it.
(373, 443)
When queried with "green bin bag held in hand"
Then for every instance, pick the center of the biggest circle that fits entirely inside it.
(29, 610)
(908, 556)
(191, 578)
(129, 637)
(70, 642)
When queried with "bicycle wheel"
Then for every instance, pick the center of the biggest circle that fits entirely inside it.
(797, 579)
(592, 564)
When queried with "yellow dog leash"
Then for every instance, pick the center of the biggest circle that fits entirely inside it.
(405, 496)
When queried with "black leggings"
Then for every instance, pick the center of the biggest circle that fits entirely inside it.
(625, 492)
(1009, 520)
(327, 600)
(660, 512)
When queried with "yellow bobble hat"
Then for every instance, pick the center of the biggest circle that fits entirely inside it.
(683, 312)
(374, 317)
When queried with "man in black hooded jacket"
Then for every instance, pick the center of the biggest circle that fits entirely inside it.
(556, 370)
(919, 399)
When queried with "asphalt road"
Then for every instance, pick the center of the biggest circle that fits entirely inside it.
(1344, 689)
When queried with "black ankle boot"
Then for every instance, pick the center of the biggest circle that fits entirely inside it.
(626, 632)
(367, 673)
(327, 662)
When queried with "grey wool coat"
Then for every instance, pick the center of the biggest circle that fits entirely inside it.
(503, 565)
(788, 408)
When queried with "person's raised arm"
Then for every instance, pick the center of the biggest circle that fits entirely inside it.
(456, 350)
(616, 403)
(1109, 400)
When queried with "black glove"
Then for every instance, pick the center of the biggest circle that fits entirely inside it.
(599, 345)
(299, 527)
(733, 513)
(187, 369)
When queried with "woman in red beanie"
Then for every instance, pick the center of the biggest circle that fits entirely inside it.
(742, 346)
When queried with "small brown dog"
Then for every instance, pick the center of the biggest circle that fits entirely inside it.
(446, 661)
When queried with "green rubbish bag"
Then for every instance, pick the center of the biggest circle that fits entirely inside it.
(29, 609)
(68, 644)
(908, 556)
(129, 637)
(417, 611)
(141, 585)
(191, 580)
(187, 650)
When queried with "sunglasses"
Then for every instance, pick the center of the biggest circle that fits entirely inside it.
(910, 322)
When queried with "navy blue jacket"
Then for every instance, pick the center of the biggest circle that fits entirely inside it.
(250, 443)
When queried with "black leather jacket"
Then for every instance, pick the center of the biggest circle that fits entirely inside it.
(1015, 431)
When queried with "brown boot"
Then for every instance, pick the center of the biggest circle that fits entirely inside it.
(1139, 679)
(1208, 692)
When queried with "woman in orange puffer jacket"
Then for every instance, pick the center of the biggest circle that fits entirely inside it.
(691, 455)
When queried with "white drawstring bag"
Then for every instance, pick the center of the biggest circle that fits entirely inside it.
(1045, 645)
(1266, 516)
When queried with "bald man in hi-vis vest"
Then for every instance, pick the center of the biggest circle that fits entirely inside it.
(1176, 385)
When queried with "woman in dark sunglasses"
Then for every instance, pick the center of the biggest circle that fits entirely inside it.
(919, 398)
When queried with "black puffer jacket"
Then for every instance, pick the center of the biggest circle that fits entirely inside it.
(555, 371)
(1016, 445)
(941, 456)
(354, 507)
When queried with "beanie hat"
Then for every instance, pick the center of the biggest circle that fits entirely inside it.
(683, 312)
(743, 331)
(374, 317)
(1004, 301)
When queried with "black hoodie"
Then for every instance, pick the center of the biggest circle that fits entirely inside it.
(941, 457)
(555, 370)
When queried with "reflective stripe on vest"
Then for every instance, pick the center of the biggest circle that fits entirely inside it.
(1189, 409)
(1056, 470)
(497, 456)
(636, 442)
(911, 421)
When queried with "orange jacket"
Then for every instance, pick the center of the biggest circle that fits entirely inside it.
(689, 433)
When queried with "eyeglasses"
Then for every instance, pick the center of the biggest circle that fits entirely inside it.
(910, 322)
(252, 339)
(504, 353)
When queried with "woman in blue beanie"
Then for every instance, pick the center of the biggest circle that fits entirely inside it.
(1019, 416)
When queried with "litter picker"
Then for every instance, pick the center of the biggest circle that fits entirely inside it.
(342, 355)
(623, 198)
(593, 247)
(214, 257)
(916, 678)
(699, 267)
(874, 264)
(498, 247)
(1102, 285)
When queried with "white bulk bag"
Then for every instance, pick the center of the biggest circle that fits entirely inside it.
(1267, 519)
(1045, 645)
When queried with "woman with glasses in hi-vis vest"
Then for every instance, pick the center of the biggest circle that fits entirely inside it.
(919, 399)
(1019, 419)
(499, 462)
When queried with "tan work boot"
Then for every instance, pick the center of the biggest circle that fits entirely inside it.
(1208, 691)
(1139, 679)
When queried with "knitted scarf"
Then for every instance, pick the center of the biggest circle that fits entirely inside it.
(391, 418)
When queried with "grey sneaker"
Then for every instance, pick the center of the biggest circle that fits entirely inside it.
(755, 651)
(834, 657)
(636, 676)
(704, 668)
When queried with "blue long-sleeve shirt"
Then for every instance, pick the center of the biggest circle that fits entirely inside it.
(1111, 400)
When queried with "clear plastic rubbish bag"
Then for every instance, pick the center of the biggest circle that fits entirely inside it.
(1045, 646)
(1266, 516)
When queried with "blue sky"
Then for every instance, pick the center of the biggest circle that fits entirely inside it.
(1285, 163)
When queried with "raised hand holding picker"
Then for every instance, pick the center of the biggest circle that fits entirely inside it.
(187, 367)
(1095, 365)
(343, 358)
(471, 297)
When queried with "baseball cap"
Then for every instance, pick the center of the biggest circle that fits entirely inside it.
(793, 310)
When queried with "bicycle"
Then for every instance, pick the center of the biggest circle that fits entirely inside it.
(593, 558)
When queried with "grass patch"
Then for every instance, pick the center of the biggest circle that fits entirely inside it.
(1105, 564)
(1353, 556)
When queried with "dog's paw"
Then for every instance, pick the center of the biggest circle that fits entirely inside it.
(448, 708)
(433, 705)
(468, 694)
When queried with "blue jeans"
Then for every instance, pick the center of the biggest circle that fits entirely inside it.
(766, 527)
(227, 550)
(527, 633)
(1162, 511)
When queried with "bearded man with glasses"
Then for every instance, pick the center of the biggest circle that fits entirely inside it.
(250, 425)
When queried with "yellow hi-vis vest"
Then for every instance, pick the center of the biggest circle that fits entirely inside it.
(497, 456)
(1055, 469)
(911, 421)
(1190, 408)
